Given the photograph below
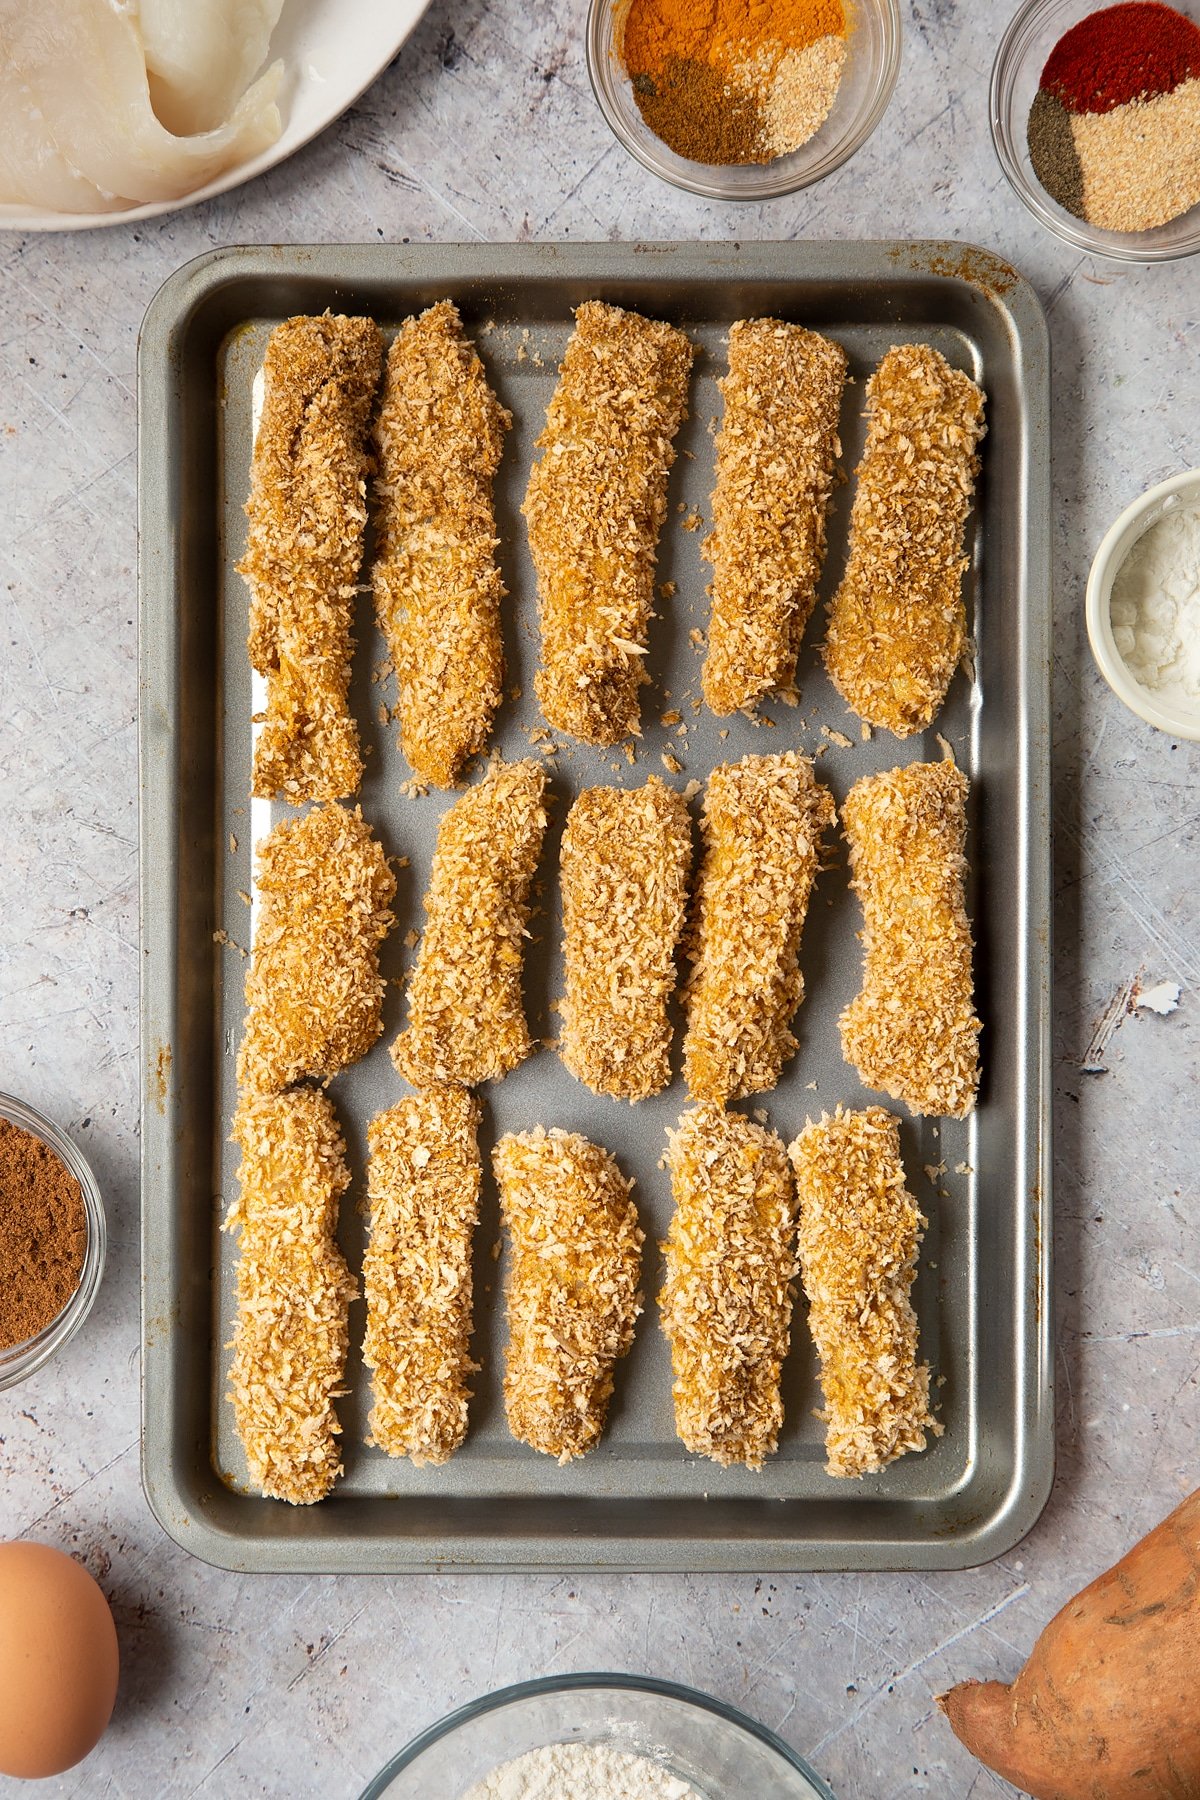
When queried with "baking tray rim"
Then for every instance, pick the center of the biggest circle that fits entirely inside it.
(180, 1512)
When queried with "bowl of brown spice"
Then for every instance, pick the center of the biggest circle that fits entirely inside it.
(52, 1240)
(743, 99)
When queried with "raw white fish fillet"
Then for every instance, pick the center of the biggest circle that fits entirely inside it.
(79, 70)
(33, 172)
(201, 56)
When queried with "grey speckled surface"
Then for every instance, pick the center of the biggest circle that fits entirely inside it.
(485, 127)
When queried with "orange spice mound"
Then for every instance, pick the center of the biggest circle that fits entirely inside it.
(706, 30)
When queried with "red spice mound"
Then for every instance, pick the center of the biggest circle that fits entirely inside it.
(1122, 53)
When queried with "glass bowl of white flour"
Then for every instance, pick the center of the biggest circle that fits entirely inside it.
(597, 1737)
(1143, 606)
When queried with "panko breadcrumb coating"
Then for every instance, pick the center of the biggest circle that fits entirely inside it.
(897, 624)
(775, 454)
(314, 994)
(726, 1305)
(423, 1177)
(762, 823)
(466, 1017)
(307, 512)
(440, 436)
(572, 1289)
(293, 1293)
(913, 1031)
(859, 1233)
(595, 505)
(624, 867)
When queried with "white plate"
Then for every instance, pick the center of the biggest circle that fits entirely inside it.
(332, 50)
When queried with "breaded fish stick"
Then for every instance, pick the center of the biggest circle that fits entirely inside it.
(314, 994)
(423, 1178)
(626, 857)
(440, 435)
(573, 1285)
(595, 506)
(775, 452)
(466, 1018)
(762, 823)
(859, 1233)
(726, 1305)
(897, 624)
(293, 1293)
(307, 512)
(913, 1031)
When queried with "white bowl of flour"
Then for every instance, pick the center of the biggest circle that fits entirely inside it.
(1143, 606)
(597, 1737)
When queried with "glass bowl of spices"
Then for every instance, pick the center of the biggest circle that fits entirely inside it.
(52, 1240)
(1095, 115)
(1143, 606)
(743, 99)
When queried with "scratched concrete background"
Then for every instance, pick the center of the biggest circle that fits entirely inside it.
(484, 127)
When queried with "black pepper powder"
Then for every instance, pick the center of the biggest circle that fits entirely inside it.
(695, 114)
(1052, 152)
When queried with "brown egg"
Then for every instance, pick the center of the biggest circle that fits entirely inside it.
(58, 1661)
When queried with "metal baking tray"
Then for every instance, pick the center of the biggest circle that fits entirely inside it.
(983, 1291)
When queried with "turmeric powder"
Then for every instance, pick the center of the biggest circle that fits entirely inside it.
(724, 81)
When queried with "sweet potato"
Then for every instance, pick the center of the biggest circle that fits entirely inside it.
(1108, 1705)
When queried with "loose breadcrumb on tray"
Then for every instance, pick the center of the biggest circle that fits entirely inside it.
(308, 514)
(440, 437)
(762, 825)
(775, 456)
(595, 506)
(726, 1305)
(423, 1177)
(624, 867)
(860, 1230)
(912, 1031)
(572, 1287)
(314, 994)
(466, 1016)
(293, 1294)
(897, 623)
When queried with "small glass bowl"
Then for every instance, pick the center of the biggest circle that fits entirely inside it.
(726, 1755)
(1016, 74)
(1118, 541)
(868, 79)
(20, 1360)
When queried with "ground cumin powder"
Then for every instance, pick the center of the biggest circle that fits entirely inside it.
(734, 81)
(43, 1235)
